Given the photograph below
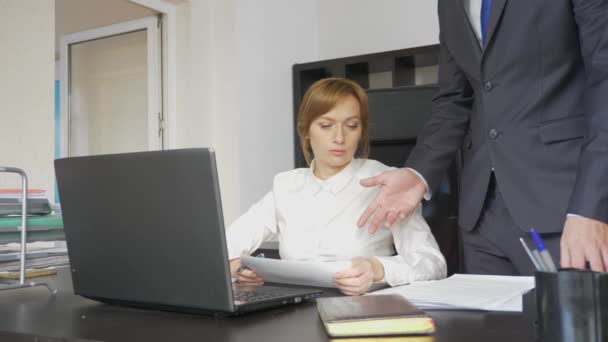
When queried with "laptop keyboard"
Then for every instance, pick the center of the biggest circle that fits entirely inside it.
(248, 294)
(252, 295)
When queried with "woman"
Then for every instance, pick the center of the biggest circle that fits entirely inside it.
(313, 211)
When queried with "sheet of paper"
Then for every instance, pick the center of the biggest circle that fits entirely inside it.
(462, 291)
(31, 246)
(307, 273)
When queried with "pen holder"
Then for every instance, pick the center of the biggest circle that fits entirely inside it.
(572, 306)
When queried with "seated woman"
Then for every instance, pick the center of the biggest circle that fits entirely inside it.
(313, 211)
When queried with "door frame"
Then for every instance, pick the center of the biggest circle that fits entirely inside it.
(154, 92)
(169, 9)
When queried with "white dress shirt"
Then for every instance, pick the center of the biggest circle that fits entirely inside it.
(317, 220)
(473, 9)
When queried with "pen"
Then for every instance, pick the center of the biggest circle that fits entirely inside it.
(532, 257)
(544, 253)
(539, 260)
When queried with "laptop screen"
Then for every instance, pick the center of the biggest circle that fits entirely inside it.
(146, 227)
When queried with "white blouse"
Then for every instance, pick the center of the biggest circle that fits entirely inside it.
(317, 220)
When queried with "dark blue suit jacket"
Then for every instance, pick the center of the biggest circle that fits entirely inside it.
(533, 105)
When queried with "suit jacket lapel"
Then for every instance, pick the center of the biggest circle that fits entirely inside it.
(498, 7)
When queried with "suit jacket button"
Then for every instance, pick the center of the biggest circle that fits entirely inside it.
(493, 134)
(488, 86)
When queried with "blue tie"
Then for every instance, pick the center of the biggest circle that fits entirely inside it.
(486, 5)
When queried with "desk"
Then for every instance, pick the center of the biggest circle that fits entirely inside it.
(35, 311)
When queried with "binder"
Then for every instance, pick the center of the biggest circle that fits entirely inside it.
(40, 228)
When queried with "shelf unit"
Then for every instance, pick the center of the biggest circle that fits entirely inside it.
(385, 70)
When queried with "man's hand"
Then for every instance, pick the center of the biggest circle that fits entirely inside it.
(244, 275)
(360, 277)
(401, 192)
(584, 240)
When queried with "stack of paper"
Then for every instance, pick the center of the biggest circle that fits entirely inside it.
(49, 261)
(460, 291)
(40, 254)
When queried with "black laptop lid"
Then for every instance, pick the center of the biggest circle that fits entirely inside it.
(146, 228)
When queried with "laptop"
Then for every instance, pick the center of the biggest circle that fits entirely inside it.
(146, 229)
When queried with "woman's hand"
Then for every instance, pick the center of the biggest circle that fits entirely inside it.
(244, 275)
(359, 278)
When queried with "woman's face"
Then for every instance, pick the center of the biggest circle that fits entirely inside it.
(334, 137)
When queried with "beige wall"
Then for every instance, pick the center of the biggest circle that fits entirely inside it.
(356, 27)
(235, 82)
(234, 86)
(26, 91)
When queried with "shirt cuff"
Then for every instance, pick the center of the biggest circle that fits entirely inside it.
(394, 273)
(427, 195)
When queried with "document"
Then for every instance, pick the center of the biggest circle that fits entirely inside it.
(32, 246)
(463, 291)
(307, 273)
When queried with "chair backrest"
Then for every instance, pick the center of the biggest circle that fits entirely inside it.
(396, 117)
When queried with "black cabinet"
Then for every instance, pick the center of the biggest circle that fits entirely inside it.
(400, 85)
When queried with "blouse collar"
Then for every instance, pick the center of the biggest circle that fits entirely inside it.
(335, 183)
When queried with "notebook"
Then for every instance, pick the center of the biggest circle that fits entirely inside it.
(409, 338)
(381, 315)
(146, 229)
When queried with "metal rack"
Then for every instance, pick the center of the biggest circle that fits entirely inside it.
(22, 284)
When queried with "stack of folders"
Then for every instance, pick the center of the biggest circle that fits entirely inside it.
(374, 318)
(10, 202)
(39, 228)
(45, 238)
(46, 245)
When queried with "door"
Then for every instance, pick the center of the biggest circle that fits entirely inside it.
(111, 98)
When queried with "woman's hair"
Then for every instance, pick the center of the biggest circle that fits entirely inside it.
(322, 97)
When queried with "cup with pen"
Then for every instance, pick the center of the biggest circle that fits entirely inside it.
(571, 304)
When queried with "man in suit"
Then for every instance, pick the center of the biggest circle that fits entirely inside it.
(523, 88)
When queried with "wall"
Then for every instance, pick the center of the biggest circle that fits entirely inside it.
(235, 82)
(272, 38)
(238, 86)
(233, 75)
(272, 35)
(355, 27)
(26, 91)
(205, 72)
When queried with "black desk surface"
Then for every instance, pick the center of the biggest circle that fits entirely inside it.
(26, 313)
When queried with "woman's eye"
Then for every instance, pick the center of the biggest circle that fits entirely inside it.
(353, 125)
(325, 126)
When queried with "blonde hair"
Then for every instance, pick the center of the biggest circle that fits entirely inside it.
(320, 98)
